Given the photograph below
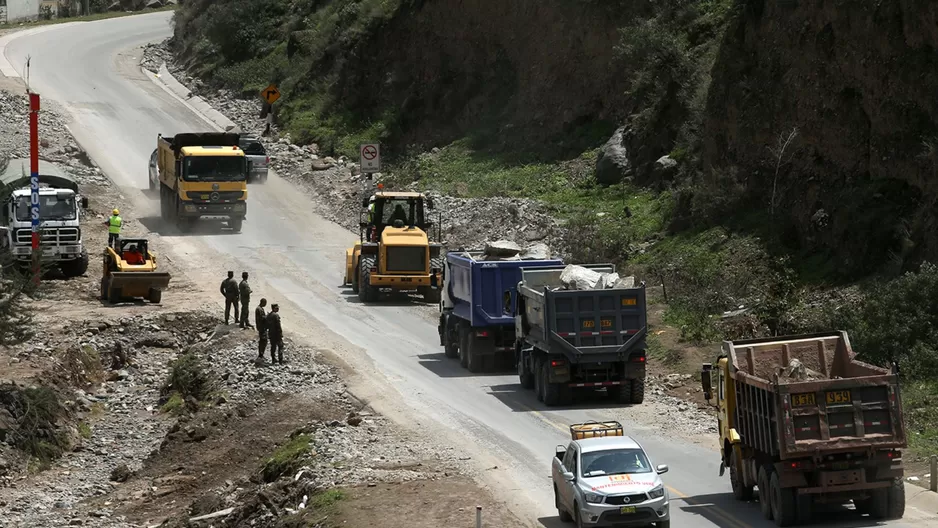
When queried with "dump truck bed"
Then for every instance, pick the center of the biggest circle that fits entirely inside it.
(478, 287)
(800, 395)
(585, 325)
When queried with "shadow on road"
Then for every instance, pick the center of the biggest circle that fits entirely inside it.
(205, 226)
(445, 367)
(520, 400)
(722, 509)
(386, 298)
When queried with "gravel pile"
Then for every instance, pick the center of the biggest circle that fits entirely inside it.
(467, 223)
(56, 144)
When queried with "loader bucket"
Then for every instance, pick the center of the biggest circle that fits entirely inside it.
(138, 283)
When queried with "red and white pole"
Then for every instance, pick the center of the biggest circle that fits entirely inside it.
(34, 180)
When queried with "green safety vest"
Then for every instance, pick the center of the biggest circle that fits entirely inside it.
(114, 225)
(371, 212)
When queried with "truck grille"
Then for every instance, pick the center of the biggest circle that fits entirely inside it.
(407, 259)
(215, 196)
(56, 236)
(619, 500)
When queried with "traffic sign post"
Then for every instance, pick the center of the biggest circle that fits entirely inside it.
(270, 94)
(369, 158)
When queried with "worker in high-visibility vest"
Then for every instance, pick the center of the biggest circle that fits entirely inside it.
(371, 217)
(114, 224)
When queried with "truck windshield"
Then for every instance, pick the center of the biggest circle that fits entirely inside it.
(214, 168)
(51, 207)
(614, 462)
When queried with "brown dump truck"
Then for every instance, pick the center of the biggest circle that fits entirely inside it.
(805, 422)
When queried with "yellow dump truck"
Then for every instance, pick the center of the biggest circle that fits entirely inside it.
(201, 175)
(394, 250)
(806, 423)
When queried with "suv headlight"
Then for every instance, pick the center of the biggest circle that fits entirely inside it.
(593, 498)
(656, 493)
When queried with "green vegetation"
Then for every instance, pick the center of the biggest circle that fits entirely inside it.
(287, 458)
(188, 384)
(84, 430)
(36, 412)
(99, 12)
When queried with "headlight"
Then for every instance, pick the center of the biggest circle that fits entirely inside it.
(593, 498)
(657, 493)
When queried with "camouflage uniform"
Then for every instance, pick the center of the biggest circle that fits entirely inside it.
(260, 322)
(229, 288)
(275, 333)
(244, 290)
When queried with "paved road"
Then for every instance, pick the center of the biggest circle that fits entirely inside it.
(89, 67)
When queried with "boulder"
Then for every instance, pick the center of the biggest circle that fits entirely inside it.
(502, 248)
(613, 163)
(536, 252)
(576, 277)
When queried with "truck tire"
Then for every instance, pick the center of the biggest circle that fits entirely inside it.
(765, 498)
(783, 502)
(804, 505)
(888, 503)
(77, 267)
(525, 376)
(235, 223)
(553, 392)
(637, 392)
(366, 292)
(354, 280)
(621, 394)
(431, 295)
(539, 379)
(103, 296)
(740, 490)
(155, 295)
(473, 359)
(563, 514)
(450, 345)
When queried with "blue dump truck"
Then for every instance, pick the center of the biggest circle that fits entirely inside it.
(477, 321)
(580, 339)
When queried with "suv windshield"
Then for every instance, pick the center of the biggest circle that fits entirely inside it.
(614, 462)
(253, 147)
(214, 168)
(50, 208)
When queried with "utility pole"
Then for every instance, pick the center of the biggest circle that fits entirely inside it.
(34, 174)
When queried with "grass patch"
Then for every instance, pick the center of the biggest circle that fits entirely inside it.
(327, 498)
(37, 412)
(84, 430)
(667, 356)
(174, 405)
(920, 406)
(287, 458)
(189, 383)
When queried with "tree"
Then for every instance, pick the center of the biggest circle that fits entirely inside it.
(15, 316)
(782, 144)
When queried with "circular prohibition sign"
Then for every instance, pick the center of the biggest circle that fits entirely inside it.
(369, 152)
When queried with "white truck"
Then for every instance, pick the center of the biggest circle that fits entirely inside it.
(60, 206)
(606, 479)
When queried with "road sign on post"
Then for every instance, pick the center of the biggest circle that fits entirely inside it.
(370, 158)
(34, 179)
(270, 94)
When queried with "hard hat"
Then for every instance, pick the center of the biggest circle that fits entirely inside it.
(372, 198)
(116, 212)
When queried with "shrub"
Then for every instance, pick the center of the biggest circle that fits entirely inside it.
(287, 458)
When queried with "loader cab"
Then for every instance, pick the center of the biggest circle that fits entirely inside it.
(134, 251)
(400, 210)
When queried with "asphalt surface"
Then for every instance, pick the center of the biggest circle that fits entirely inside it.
(118, 112)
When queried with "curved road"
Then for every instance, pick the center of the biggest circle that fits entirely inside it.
(90, 68)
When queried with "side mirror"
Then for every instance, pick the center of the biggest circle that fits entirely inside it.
(84, 202)
(705, 381)
(662, 468)
(560, 452)
(568, 476)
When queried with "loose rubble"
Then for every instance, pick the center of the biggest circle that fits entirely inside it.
(337, 186)
(55, 142)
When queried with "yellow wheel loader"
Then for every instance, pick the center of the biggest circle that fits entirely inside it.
(394, 250)
(130, 272)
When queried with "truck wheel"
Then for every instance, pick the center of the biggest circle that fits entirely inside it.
(235, 223)
(552, 391)
(450, 349)
(524, 374)
(621, 394)
(366, 292)
(155, 295)
(888, 503)
(539, 379)
(637, 392)
(562, 513)
(804, 505)
(103, 289)
(355, 280)
(473, 359)
(431, 295)
(765, 498)
(783, 502)
(740, 489)
(77, 267)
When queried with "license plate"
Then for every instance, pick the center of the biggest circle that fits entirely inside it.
(605, 323)
(627, 509)
(842, 396)
(840, 466)
(801, 400)
(629, 302)
(589, 324)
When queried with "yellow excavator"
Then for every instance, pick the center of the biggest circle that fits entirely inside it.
(130, 272)
(394, 249)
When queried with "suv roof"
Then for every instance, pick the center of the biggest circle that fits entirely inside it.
(588, 445)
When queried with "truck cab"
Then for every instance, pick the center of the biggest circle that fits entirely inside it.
(60, 210)
(603, 478)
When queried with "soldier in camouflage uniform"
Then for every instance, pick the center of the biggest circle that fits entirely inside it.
(244, 290)
(275, 333)
(229, 288)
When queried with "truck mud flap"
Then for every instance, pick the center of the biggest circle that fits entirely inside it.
(159, 280)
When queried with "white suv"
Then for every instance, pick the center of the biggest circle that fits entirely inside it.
(607, 480)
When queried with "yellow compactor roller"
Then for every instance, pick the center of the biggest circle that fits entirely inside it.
(130, 273)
